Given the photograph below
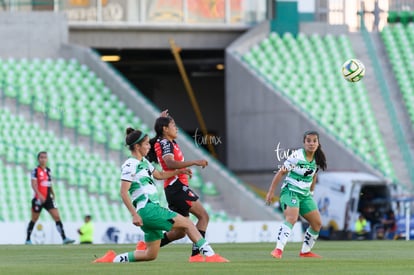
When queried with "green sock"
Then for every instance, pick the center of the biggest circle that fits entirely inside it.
(205, 248)
(313, 232)
(131, 257)
(200, 242)
(288, 224)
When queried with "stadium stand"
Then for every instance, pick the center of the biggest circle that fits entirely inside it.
(294, 66)
(69, 92)
(83, 182)
(399, 40)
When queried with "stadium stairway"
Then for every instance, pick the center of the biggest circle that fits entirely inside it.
(379, 108)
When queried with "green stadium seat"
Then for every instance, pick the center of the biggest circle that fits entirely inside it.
(393, 17)
(209, 189)
(287, 62)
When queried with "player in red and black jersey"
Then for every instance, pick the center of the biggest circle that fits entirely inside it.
(44, 198)
(180, 198)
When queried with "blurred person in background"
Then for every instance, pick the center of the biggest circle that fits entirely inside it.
(86, 231)
(41, 181)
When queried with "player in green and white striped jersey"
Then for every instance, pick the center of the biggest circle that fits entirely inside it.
(296, 193)
(140, 196)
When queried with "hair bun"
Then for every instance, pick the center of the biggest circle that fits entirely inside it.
(129, 130)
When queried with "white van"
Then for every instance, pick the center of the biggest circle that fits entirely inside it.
(342, 196)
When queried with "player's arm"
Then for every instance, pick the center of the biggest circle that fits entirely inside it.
(162, 175)
(52, 192)
(173, 164)
(136, 219)
(276, 179)
(36, 190)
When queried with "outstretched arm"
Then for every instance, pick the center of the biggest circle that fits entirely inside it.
(162, 175)
(276, 179)
(173, 164)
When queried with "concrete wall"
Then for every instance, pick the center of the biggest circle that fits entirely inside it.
(32, 34)
(139, 36)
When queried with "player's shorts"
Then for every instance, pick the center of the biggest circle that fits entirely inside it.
(289, 198)
(156, 220)
(48, 204)
(180, 197)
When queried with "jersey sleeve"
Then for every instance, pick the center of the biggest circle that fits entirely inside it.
(167, 147)
(33, 174)
(127, 172)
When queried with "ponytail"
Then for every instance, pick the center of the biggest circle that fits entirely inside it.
(320, 157)
(152, 156)
(159, 125)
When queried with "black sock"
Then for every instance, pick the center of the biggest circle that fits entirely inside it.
(165, 240)
(59, 227)
(194, 249)
(29, 230)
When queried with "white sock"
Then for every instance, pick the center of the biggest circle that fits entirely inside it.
(206, 250)
(310, 238)
(283, 235)
(121, 258)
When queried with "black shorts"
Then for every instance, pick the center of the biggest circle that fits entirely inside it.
(180, 198)
(37, 206)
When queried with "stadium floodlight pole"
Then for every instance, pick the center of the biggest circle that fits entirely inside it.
(176, 53)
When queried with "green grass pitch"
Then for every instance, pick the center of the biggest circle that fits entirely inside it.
(351, 257)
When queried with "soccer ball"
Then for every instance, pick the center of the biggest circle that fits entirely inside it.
(353, 70)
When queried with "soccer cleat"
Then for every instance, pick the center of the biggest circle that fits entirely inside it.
(29, 242)
(196, 259)
(141, 246)
(216, 258)
(309, 255)
(277, 253)
(68, 241)
(107, 258)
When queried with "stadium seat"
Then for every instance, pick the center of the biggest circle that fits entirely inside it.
(73, 92)
(399, 41)
(288, 63)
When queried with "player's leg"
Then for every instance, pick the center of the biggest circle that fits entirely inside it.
(195, 236)
(54, 212)
(36, 209)
(200, 212)
(174, 234)
(180, 199)
(290, 206)
(149, 254)
(310, 212)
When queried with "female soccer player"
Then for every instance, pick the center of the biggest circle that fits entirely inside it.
(296, 193)
(44, 198)
(137, 179)
(180, 197)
